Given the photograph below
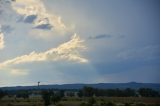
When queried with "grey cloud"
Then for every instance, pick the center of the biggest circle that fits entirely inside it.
(6, 1)
(7, 15)
(103, 36)
(1, 11)
(147, 52)
(100, 36)
(6, 28)
(43, 23)
(27, 18)
(121, 36)
(30, 18)
(44, 26)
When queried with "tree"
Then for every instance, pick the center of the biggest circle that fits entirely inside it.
(80, 93)
(110, 104)
(56, 97)
(92, 100)
(46, 95)
(88, 91)
(147, 92)
(129, 92)
(127, 104)
(23, 94)
(2, 94)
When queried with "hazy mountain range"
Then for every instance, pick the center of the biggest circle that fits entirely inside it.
(133, 85)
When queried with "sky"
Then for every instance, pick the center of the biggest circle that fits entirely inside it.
(79, 41)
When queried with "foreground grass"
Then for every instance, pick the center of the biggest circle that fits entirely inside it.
(72, 101)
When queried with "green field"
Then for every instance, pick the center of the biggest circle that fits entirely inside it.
(72, 101)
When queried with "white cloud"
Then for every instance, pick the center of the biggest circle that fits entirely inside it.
(66, 51)
(41, 34)
(1, 40)
(35, 12)
(19, 72)
(8, 16)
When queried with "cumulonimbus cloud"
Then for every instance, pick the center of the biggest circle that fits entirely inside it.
(1, 40)
(66, 51)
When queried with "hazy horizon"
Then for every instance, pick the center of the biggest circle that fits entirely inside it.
(43, 84)
(79, 41)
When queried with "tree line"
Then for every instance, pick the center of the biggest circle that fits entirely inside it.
(89, 92)
(128, 92)
(52, 96)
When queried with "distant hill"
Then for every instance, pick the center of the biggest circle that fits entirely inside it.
(134, 85)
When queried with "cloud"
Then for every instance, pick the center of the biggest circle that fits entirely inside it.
(5, 28)
(6, 12)
(1, 40)
(100, 36)
(43, 24)
(146, 53)
(19, 72)
(103, 36)
(41, 34)
(34, 12)
(66, 51)
(30, 19)
(30, 15)
(138, 74)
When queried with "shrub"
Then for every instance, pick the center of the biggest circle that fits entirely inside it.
(2, 94)
(127, 104)
(110, 104)
(59, 104)
(153, 105)
(83, 104)
(140, 104)
(103, 104)
(92, 100)
(10, 104)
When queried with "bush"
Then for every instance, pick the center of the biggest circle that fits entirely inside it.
(59, 104)
(140, 104)
(46, 97)
(10, 104)
(107, 104)
(89, 104)
(83, 104)
(127, 104)
(103, 104)
(110, 104)
(153, 105)
(92, 100)
(2, 94)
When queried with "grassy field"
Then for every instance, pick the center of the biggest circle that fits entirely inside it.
(72, 101)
